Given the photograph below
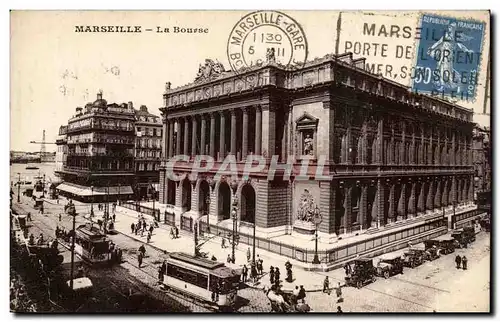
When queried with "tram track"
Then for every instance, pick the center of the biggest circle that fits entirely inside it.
(128, 260)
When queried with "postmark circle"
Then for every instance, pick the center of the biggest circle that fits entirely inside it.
(266, 36)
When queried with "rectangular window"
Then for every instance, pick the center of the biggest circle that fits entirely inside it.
(154, 132)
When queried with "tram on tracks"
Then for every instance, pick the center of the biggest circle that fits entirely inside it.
(94, 247)
(202, 279)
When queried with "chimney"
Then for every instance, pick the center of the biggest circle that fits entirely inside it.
(130, 105)
(144, 108)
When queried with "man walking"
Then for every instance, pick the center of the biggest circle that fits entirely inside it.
(464, 262)
(244, 273)
(339, 293)
(132, 228)
(139, 259)
(326, 286)
(249, 254)
(458, 260)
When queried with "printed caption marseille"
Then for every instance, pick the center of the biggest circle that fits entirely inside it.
(139, 29)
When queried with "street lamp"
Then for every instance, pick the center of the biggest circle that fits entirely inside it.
(233, 244)
(92, 202)
(153, 193)
(72, 212)
(207, 201)
(317, 220)
(19, 187)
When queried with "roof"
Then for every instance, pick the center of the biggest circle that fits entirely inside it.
(197, 261)
(363, 259)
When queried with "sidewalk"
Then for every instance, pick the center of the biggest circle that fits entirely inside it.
(212, 245)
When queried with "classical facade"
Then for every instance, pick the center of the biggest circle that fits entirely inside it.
(482, 165)
(390, 157)
(147, 153)
(100, 152)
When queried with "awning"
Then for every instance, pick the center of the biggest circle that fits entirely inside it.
(68, 188)
(98, 191)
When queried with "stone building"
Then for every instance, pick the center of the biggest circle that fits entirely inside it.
(147, 153)
(100, 152)
(62, 150)
(395, 164)
(482, 165)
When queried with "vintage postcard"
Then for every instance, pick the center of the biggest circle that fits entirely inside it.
(250, 161)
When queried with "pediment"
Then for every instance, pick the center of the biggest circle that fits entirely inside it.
(307, 119)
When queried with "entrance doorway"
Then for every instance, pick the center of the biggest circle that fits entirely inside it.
(248, 204)
(186, 195)
(224, 201)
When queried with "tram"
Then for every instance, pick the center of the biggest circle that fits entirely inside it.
(93, 246)
(202, 278)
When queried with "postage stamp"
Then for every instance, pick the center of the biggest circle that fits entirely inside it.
(448, 57)
(266, 36)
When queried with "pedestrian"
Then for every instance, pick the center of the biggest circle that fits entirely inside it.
(249, 254)
(271, 275)
(458, 260)
(339, 309)
(142, 232)
(151, 228)
(302, 293)
(132, 227)
(114, 217)
(144, 225)
(254, 272)
(142, 250)
(160, 274)
(148, 238)
(277, 276)
(260, 265)
(223, 243)
(229, 258)
(244, 273)
(339, 293)
(296, 292)
(164, 267)
(326, 286)
(464, 262)
(29, 217)
(57, 200)
(139, 259)
(60, 217)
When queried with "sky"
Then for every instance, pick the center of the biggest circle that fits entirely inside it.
(54, 69)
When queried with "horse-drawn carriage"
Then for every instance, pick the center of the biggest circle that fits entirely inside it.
(362, 272)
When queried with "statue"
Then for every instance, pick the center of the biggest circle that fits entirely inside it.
(308, 145)
(307, 207)
(209, 71)
(167, 86)
(270, 57)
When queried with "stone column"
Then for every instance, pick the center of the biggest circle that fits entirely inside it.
(203, 134)
(381, 202)
(391, 216)
(444, 197)
(453, 147)
(421, 198)
(268, 130)
(233, 132)
(413, 152)
(454, 197)
(178, 138)
(171, 138)
(375, 212)
(258, 130)
(327, 207)
(222, 138)
(194, 138)
(245, 134)
(402, 203)
(411, 202)
(391, 148)
(402, 156)
(429, 152)
(380, 138)
(464, 190)
(430, 196)
(349, 145)
(164, 141)
(437, 195)
(186, 135)
(421, 156)
(347, 209)
(471, 188)
(212, 135)
(363, 207)
(437, 154)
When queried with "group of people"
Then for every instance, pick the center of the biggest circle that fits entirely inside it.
(338, 289)
(19, 299)
(255, 270)
(461, 260)
(141, 227)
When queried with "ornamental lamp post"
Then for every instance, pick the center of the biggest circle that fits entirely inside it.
(92, 202)
(72, 212)
(234, 215)
(208, 212)
(19, 188)
(317, 220)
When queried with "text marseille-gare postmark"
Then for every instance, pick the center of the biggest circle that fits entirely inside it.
(266, 37)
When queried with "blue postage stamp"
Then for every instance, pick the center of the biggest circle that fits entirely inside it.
(448, 57)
